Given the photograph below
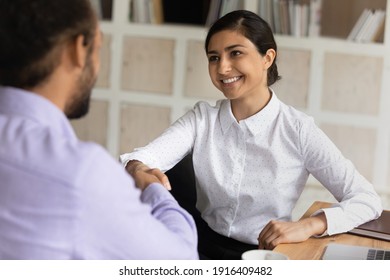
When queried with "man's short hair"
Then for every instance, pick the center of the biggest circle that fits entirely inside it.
(32, 33)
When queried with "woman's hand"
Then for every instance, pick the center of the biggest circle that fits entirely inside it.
(143, 175)
(277, 232)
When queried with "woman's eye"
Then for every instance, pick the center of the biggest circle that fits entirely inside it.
(213, 58)
(235, 53)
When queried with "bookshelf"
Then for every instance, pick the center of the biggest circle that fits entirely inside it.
(152, 73)
(344, 15)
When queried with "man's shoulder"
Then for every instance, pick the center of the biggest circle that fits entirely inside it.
(53, 158)
(84, 157)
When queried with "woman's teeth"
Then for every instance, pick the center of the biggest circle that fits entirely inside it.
(231, 80)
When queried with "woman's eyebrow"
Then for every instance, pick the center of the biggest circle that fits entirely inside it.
(226, 49)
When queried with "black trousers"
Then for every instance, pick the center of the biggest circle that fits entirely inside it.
(213, 246)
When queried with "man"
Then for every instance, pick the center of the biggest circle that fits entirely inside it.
(61, 198)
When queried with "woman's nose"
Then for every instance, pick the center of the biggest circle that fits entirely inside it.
(224, 66)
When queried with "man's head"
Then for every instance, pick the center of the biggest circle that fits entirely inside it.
(34, 36)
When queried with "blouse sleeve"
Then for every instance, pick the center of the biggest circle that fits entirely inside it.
(357, 200)
(168, 148)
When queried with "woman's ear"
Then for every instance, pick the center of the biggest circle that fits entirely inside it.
(269, 57)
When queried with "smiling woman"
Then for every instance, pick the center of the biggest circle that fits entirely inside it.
(252, 154)
(239, 71)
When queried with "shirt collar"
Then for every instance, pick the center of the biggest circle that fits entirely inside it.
(256, 123)
(226, 116)
(27, 104)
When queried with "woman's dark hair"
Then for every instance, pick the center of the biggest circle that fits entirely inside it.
(255, 29)
(32, 33)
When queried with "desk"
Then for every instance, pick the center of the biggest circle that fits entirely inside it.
(313, 248)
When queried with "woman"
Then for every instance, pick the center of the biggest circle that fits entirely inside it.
(252, 154)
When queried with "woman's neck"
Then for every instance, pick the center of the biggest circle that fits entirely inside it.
(244, 108)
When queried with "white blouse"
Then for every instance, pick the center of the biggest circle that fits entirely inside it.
(253, 171)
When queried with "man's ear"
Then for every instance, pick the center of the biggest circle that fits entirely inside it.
(79, 52)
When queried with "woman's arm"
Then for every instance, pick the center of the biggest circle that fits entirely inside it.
(358, 201)
(277, 232)
(169, 148)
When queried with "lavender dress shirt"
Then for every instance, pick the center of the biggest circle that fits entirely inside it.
(62, 198)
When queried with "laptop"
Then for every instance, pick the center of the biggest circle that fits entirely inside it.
(335, 251)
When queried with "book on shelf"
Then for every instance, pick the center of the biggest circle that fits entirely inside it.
(146, 11)
(276, 16)
(299, 18)
(304, 24)
(291, 15)
(214, 12)
(379, 228)
(358, 25)
(265, 11)
(377, 27)
(103, 8)
(284, 17)
(141, 11)
(228, 6)
(96, 4)
(219, 8)
(315, 18)
(369, 27)
(157, 12)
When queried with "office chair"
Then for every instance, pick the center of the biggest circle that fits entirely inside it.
(182, 179)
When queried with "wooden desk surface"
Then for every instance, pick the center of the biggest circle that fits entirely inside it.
(313, 248)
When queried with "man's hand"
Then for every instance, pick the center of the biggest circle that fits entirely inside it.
(143, 175)
(277, 232)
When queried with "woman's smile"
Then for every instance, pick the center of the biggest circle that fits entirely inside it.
(231, 80)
